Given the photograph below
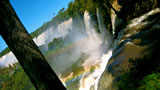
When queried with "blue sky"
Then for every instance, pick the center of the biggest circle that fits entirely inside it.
(33, 13)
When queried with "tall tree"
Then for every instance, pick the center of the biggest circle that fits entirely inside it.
(26, 51)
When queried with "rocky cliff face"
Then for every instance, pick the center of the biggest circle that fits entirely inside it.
(7, 60)
(137, 34)
(42, 40)
(135, 28)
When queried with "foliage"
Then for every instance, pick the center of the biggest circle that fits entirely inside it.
(14, 78)
(56, 43)
(76, 67)
(41, 29)
(134, 8)
(79, 6)
(151, 82)
(143, 74)
(5, 51)
(61, 10)
(92, 69)
(75, 9)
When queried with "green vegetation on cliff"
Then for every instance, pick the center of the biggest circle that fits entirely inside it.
(135, 8)
(144, 74)
(75, 9)
(14, 78)
(4, 52)
(56, 43)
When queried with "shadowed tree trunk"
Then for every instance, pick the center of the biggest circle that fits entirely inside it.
(26, 51)
(120, 15)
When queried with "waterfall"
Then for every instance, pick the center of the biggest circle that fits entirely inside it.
(135, 28)
(105, 35)
(90, 80)
(101, 26)
(83, 58)
(86, 47)
(89, 27)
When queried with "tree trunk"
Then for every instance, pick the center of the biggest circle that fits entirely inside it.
(26, 51)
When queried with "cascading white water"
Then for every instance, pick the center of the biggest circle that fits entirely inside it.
(101, 26)
(90, 43)
(94, 45)
(103, 60)
(97, 47)
(135, 27)
(105, 35)
(97, 56)
(89, 27)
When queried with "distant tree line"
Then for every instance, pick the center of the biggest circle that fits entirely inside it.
(56, 43)
(74, 9)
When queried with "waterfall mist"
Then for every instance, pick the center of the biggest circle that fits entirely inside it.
(83, 58)
(84, 55)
